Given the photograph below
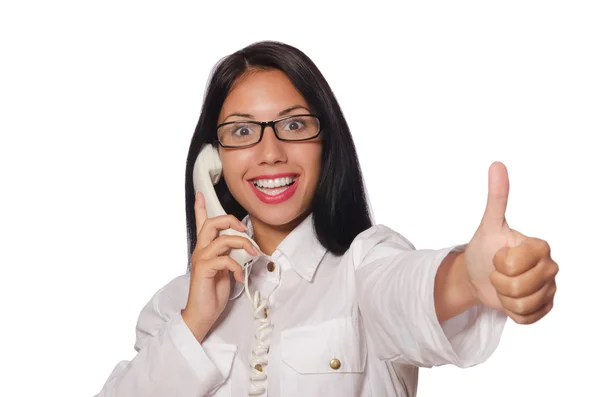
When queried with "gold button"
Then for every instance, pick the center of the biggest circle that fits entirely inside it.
(270, 266)
(265, 311)
(258, 367)
(335, 364)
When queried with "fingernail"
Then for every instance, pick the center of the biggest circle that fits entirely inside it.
(243, 226)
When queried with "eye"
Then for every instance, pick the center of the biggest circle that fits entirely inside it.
(242, 131)
(294, 124)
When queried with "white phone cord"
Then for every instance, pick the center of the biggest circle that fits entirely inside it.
(262, 342)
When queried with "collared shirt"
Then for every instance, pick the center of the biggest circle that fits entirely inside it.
(355, 325)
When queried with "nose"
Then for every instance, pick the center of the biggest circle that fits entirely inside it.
(271, 150)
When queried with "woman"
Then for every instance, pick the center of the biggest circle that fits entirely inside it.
(342, 307)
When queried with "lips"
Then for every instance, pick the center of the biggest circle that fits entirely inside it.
(275, 188)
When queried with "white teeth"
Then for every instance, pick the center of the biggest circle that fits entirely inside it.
(274, 183)
(273, 192)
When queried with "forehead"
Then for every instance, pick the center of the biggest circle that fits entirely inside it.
(262, 94)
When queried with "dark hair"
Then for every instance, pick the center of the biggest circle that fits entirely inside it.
(339, 207)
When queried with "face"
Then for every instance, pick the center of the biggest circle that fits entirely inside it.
(273, 180)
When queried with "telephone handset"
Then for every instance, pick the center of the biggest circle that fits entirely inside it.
(207, 172)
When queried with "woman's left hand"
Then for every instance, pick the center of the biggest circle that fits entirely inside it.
(509, 271)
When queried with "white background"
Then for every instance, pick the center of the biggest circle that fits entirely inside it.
(99, 100)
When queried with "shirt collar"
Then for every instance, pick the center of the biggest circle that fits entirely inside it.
(300, 248)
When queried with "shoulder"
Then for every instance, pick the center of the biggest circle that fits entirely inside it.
(165, 304)
(378, 240)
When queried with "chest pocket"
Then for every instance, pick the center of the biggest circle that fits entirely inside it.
(326, 359)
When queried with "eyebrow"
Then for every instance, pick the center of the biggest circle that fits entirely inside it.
(282, 113)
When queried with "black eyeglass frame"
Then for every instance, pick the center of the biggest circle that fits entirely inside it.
(265, 124)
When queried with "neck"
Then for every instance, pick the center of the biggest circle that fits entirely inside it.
(268, 237)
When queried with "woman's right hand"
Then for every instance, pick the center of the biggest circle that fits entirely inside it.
(210, 266)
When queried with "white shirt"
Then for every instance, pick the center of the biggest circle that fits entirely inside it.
(356, 325)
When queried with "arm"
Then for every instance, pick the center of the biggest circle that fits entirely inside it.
(169, 359)
(453, 293)
(402, 320)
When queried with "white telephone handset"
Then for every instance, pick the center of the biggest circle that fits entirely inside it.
(207, 172)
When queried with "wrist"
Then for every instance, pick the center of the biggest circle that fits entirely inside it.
(454, 292)
(198, 328)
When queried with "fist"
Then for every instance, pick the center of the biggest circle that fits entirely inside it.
(524, 278)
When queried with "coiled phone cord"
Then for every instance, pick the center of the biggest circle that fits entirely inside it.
(262, 341)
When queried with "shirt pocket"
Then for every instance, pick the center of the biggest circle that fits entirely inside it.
(326, 359)
(222, 356)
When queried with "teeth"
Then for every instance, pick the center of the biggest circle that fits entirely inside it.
(274, 183)
(273, 192)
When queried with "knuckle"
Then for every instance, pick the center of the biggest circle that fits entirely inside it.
(510, 266)
(220, 239)
(544, 247)
(514, 287)
(553, 266)
(224, 239)
(520, 306)
(539, 245)
(210, 222)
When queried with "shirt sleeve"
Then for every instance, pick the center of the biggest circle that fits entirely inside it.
(169, 359)
(396, 299)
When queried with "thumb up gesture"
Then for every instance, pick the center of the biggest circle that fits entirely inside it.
(508, 270)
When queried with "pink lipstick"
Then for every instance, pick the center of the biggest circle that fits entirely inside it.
(272, 189)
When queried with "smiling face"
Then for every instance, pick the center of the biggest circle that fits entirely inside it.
(273, 180)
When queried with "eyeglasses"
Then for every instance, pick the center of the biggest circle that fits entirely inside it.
(296, 128)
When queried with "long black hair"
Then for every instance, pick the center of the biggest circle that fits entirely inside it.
(339, 207)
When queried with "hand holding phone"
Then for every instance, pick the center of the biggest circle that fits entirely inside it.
(222, 246)
(210, 266)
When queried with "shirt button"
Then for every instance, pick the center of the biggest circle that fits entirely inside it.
(258, 367)
(270, 266)
(335, 364)
(265, 311)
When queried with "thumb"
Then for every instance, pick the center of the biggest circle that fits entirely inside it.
(497, 200)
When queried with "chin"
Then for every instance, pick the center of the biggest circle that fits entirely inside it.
(279, 217)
